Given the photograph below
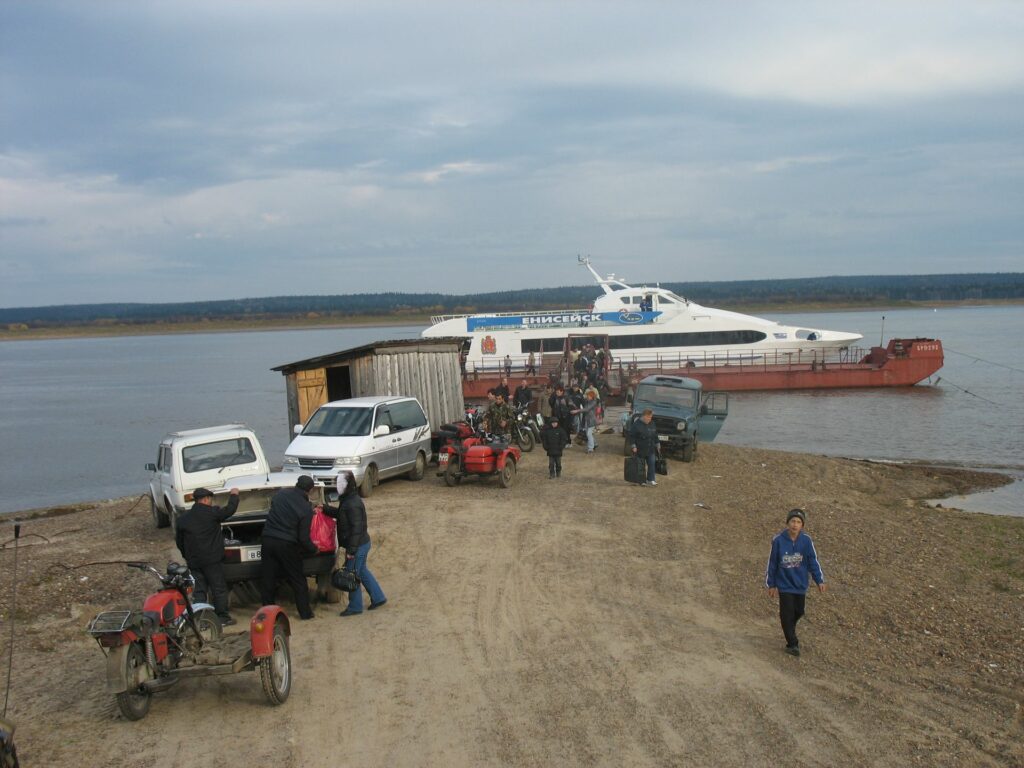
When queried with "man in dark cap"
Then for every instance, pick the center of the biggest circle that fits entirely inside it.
(792, 558)
(200, 539)
(286, 543)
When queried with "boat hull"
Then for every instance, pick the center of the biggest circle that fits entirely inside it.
(901, 363)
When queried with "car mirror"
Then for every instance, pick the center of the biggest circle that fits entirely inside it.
(297, 429)
(151, 467)
(381, 430)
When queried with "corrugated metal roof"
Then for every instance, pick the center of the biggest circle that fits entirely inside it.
(442, 344)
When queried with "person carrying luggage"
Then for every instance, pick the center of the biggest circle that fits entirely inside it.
(644, 443)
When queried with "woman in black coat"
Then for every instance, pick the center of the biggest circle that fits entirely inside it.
(352, 535)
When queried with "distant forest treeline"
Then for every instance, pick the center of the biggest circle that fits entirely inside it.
(866, 290)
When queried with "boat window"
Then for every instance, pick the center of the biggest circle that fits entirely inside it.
(339, 422)
(625, 299)
(552, 344)
(665, 300)
(700, 339)
(808, 335)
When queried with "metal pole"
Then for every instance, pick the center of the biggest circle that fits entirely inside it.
(881, 339)
(14, 606)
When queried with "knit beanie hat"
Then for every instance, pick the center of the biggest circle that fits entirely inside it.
(796, 513)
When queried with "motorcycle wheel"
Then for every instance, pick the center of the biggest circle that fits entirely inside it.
(209, 625)
(451, 473)
(134, 703)
(524, 439)
(508, 473)
(276, 669)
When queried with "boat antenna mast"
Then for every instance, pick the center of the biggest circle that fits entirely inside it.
(604, 282)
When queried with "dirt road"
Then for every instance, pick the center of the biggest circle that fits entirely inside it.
(581, 622)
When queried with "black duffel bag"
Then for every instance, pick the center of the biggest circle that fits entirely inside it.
(346, 581)
(661, 466)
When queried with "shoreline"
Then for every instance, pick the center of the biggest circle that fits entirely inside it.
(392, 320)
(582, 616)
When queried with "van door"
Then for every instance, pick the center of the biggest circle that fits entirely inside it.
(410, 425)
(386, 447)
(713, 410)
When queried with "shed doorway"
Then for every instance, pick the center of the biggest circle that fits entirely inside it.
(339, 383)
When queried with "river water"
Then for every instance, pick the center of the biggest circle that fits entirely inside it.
(81, 417)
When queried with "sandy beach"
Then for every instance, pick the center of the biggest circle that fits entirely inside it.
(576, 622)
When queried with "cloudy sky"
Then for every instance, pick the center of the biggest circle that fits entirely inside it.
(197, 150)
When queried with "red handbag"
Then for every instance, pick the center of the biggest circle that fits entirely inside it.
(323, 531)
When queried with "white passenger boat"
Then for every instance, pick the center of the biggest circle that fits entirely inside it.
(641, 325)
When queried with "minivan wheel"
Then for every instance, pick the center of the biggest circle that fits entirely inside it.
(160, 518)
(369, 482)
(416, 473)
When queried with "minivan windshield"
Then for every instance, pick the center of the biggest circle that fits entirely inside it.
(339, 422)
(672, 396)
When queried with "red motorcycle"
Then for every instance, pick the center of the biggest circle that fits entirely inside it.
(172, 637)
(466, 451)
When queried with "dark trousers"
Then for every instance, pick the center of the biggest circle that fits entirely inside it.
(211, 587)
(284, 559)
(791, 608)
(554, 465)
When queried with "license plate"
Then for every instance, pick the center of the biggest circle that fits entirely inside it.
(442, 459)
(252, 553)
(663, 438)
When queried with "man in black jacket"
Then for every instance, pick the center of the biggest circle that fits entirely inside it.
(644, 441)
(201, 541)
(286, 543)
(561, 409)
(523, 395)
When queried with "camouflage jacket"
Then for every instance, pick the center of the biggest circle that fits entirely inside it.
(497, 414)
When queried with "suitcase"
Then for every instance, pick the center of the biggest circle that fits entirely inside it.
(634, 469)
(661, 467)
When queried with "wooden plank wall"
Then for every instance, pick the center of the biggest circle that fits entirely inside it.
(431, 375)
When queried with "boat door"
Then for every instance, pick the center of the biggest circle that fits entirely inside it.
(575, 341)
(714, 407)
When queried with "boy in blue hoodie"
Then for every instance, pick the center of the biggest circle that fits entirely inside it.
(792, 558)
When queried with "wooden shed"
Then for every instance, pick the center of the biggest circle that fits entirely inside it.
(427, 369)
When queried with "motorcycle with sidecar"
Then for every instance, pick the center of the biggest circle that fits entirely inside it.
(150, 650)
(467, 451)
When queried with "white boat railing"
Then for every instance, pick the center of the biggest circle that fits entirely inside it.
(626, 362)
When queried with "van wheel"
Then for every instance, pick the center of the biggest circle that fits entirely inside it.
(416, 473)
(172, 517)
(160, 517)
(369, 482)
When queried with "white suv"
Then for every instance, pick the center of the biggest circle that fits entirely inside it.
(374, 437)
(200, 458)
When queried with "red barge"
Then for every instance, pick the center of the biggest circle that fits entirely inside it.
(901, 363)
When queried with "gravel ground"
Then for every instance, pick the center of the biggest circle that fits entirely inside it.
(580, 621)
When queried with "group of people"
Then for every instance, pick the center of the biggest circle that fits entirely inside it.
(285, 544)
(286, 541)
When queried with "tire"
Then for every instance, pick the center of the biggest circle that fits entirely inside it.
(524, 439)
(451, 473)
(689, 450)
(416, 473)
(326, 590)
(369, 482)
(508, 473)
(209, 625)
(276, 669)
(172, 517)
(160, 518)
(134, 704)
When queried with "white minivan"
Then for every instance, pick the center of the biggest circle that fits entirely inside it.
(374, 437)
